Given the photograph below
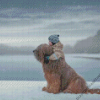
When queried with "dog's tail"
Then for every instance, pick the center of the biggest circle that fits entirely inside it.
(92, 91)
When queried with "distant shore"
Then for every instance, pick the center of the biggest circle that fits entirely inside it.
(95, 58)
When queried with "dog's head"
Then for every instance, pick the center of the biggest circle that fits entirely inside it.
(41, 51)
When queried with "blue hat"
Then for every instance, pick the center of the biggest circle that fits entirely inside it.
(54, 38)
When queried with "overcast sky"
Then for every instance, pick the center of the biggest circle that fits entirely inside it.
(20, 26)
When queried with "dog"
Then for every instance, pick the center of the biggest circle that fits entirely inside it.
(59, 75)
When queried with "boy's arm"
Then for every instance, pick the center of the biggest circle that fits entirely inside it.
(56, 55)
(53, 57)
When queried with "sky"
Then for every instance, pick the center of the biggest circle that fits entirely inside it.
(31, 22)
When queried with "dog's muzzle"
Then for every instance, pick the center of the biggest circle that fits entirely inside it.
(34, 51)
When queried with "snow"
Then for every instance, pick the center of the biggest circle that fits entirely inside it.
(32, 90)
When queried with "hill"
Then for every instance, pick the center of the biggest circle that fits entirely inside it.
(89, 45)
(8, 50)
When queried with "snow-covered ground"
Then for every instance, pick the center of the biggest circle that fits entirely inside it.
(32, 90)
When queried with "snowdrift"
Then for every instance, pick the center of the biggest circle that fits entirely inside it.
(32, 90)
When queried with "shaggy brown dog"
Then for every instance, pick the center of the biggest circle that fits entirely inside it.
(59, 75)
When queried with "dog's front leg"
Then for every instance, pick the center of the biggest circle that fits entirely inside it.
(54, 84)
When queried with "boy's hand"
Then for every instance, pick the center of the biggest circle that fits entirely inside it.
(46, 59)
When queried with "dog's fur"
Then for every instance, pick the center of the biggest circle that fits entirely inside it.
(59, 75)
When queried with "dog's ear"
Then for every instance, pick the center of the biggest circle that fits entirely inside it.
(48, 50)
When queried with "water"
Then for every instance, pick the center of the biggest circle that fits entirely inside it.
(20, 68)
(28, 68)
(89, 69)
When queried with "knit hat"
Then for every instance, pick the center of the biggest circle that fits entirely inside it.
(54, 38)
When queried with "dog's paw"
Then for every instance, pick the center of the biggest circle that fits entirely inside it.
(67, 91)
(44, 89)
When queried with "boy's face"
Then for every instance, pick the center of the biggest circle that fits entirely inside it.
(50, 43)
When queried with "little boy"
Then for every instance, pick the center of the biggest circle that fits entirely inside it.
(57, 48)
